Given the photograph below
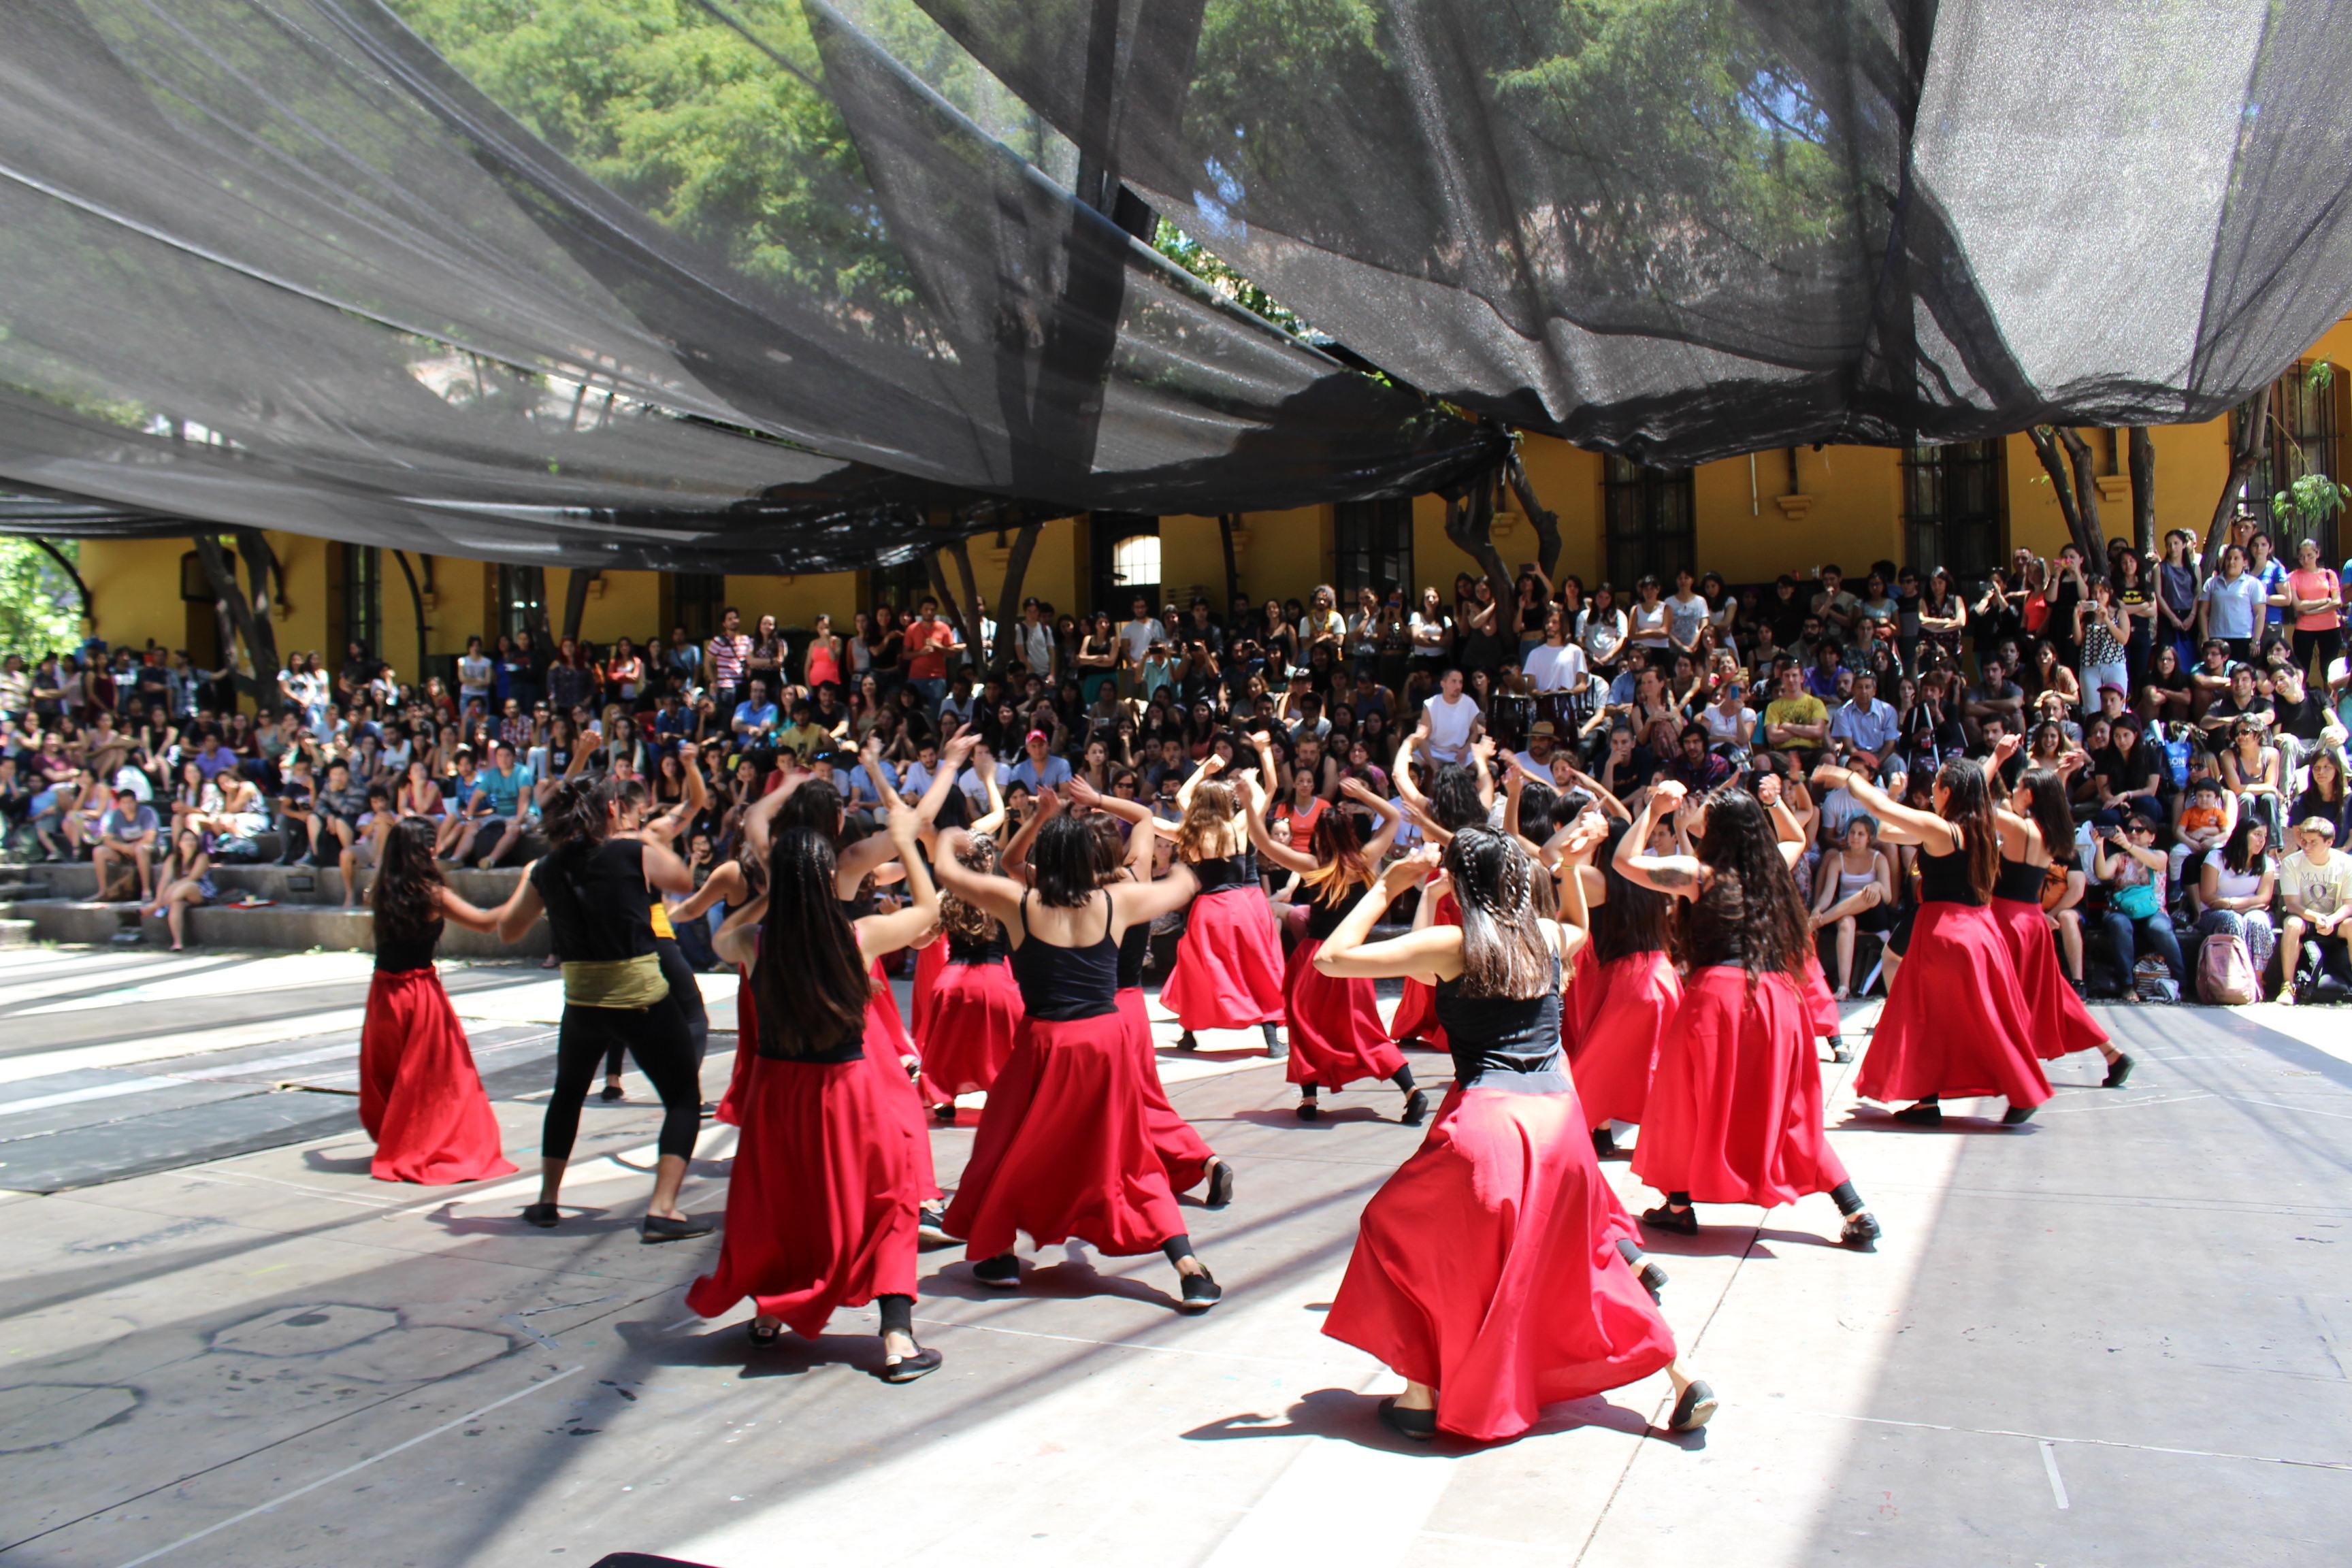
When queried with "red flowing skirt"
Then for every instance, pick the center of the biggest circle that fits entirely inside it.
(1228, 970)
(1336, 1035)
(420, 1097)
(974, 1009)
(1182, 1152)
(1623, 1011)
(887, 1046)
(821, 1207)
(1734, 1112)
(2062, 1024)
(1955, 1022)
(747, 1051)
(1486, 1267)
(1062, 1148)
(1821, 1003)
(930, 963)
(1416, 1010)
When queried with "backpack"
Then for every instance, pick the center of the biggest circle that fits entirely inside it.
(2225, 971)
(2152, 980)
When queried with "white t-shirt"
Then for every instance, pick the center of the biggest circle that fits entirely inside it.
(1139, 635)
(1560, 668)
(1449, 727)
(2324, 890)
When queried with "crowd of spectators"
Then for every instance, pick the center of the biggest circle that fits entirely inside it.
(2198, 709)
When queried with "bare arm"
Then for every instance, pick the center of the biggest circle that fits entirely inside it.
(903, 927)
(521, 911)
(1426, 952)
(718, 887)
(737, 939)
(1282, 854)
(1677, 875)
(454, 908)
(1898, 822)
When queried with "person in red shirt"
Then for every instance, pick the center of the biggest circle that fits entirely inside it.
(929, 643)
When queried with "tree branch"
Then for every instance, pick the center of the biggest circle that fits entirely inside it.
(1544, 523)
(575, 599)
(2245, 450)
(1470, 524)
(2143, 489)
(2090, 535)
(1227, 522)
(65, 564)
(1008, 604)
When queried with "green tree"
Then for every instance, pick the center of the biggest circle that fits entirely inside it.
(39, 612)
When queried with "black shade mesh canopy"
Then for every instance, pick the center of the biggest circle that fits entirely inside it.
(1684, 229)
(281, 263)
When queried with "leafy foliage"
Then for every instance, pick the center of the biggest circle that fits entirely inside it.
(1208, 267)
(39, 612)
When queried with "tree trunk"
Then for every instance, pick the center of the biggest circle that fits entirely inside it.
(534, 583)
(236, 611)
(2245, 451)
(1544, 523)
(1470, 524)
(416, 600)
(947, 593)
(575, 599)
(2143, 490)
(2073, 484)
(975, 656)
(82, 589)
(1008, 604)
(260, 567)
(1227, 522)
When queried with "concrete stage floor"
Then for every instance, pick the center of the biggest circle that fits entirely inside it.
(2118, 1335)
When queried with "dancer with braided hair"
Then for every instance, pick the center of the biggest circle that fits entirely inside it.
(1735, 1110)
(1228, 968)
(822, 1208)
(1336, 1034)
(1493, 1270)
(2035, 823)
(1956, 1022)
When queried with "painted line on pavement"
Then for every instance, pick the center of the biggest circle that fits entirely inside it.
(2050, 1465)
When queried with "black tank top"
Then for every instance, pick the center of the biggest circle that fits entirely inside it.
(849, 1050)
(394, 955)
(1060, 983)
(1323, 919)
(1715, 925)
(1944, 879)
(597, 910)
(2019, 881)
(1504, 1042)
(963, 950)
(1133, 948)
(1223, 871)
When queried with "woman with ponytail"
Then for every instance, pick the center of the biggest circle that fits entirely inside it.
(1956, 1023)
(596, 887)
(1735, 1110)
(823, 1207)
(1623, 1007)
(1228, 968)
(420, 1097)
(1336, 1034)
(2037, 826)
(1496, 1271)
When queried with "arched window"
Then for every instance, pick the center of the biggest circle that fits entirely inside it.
(1135, 561)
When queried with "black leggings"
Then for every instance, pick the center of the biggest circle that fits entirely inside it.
(680, 976)
(658, 1038)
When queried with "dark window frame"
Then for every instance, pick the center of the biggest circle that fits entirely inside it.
(1956, 508)
(1372, 547)
(1649, 522)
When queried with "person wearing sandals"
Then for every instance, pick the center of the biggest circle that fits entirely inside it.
(822, 1207)
(1735, 1109)
(1495, 1270)
(1063, 1150)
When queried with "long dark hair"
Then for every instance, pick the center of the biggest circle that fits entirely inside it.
(1967, 806)
(815, 804)
(1454, 799)
(811, 983)
(1063, 866)
(1339, 848)
(1750, 904)
(2051, 812)
(2235, 854)
(1631, 918)
(1504, 952)
(578, 814)
(405, 896)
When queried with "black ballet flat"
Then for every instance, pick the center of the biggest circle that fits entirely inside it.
(1221, 1184)
(2018, 1115)
(1921, 1115)
(611, 1092)
(1654, 1281)
(1861, 1232)
(1309, 1111)
(763, 1338)
(1665, 1216)
(1001, 1273)
(1695, 1409)
(1416, 1106)
(907, 1369)
(1839, 1050)
(944, 1114)
(1201, 1292)
(544, 1215)
(659, 1228)
(2120, 1073)
(1420, 1425)
(1604, 1143)
(1185, 1042)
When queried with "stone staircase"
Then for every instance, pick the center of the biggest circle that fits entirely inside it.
(302, 908)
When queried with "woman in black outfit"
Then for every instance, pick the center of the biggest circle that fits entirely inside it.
(598, 891)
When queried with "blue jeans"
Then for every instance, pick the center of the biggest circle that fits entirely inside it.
(934, 690)
(2153, 934)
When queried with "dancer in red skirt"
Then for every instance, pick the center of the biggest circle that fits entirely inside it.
(1183, 1153)
(1491, 1271)
(1228, 968)
(1458, 797)
(1062, 1150)
(1735, 1111)
(1336, 1034)
(974, 1005)
(822, 1205)
(420, 1097)
(1955, 1021)
(1624, 1003)
(2037, 818)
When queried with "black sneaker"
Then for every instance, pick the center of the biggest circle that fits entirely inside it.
(1654, 1279)
(1221, 1184)
(1309, 1111)
(1001, 1273)
(1694, 1409)
(1861, 1232)
(1416, 1106)
(1185, 1042)
(2016, 1115)
(658, 1228)
(931, 1224)
(610, 1092)
(544, 1215)
(1665, 1216)
(1201, 1292)
(1604, 1143)
(2120, 1073)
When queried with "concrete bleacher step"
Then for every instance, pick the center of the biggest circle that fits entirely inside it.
(18, 933)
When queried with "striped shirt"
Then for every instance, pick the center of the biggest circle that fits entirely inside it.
(727, 656)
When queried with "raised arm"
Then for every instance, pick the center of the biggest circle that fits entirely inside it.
(1900, 823)
(1288, 857)
(1383, 838)
(1208, 769)
(902, 927)
(1426, 951)
(1678, 876)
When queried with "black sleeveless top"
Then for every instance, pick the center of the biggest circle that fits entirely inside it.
(2018, 882)
(598, 908)
(1061, 983)
(1715, 923)
(1504, 1042)
(394, 955)
(962, 950)
(1323, 919)
(848, 1050)
(1133, 948)
(1223, 871)
(1944, 879)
